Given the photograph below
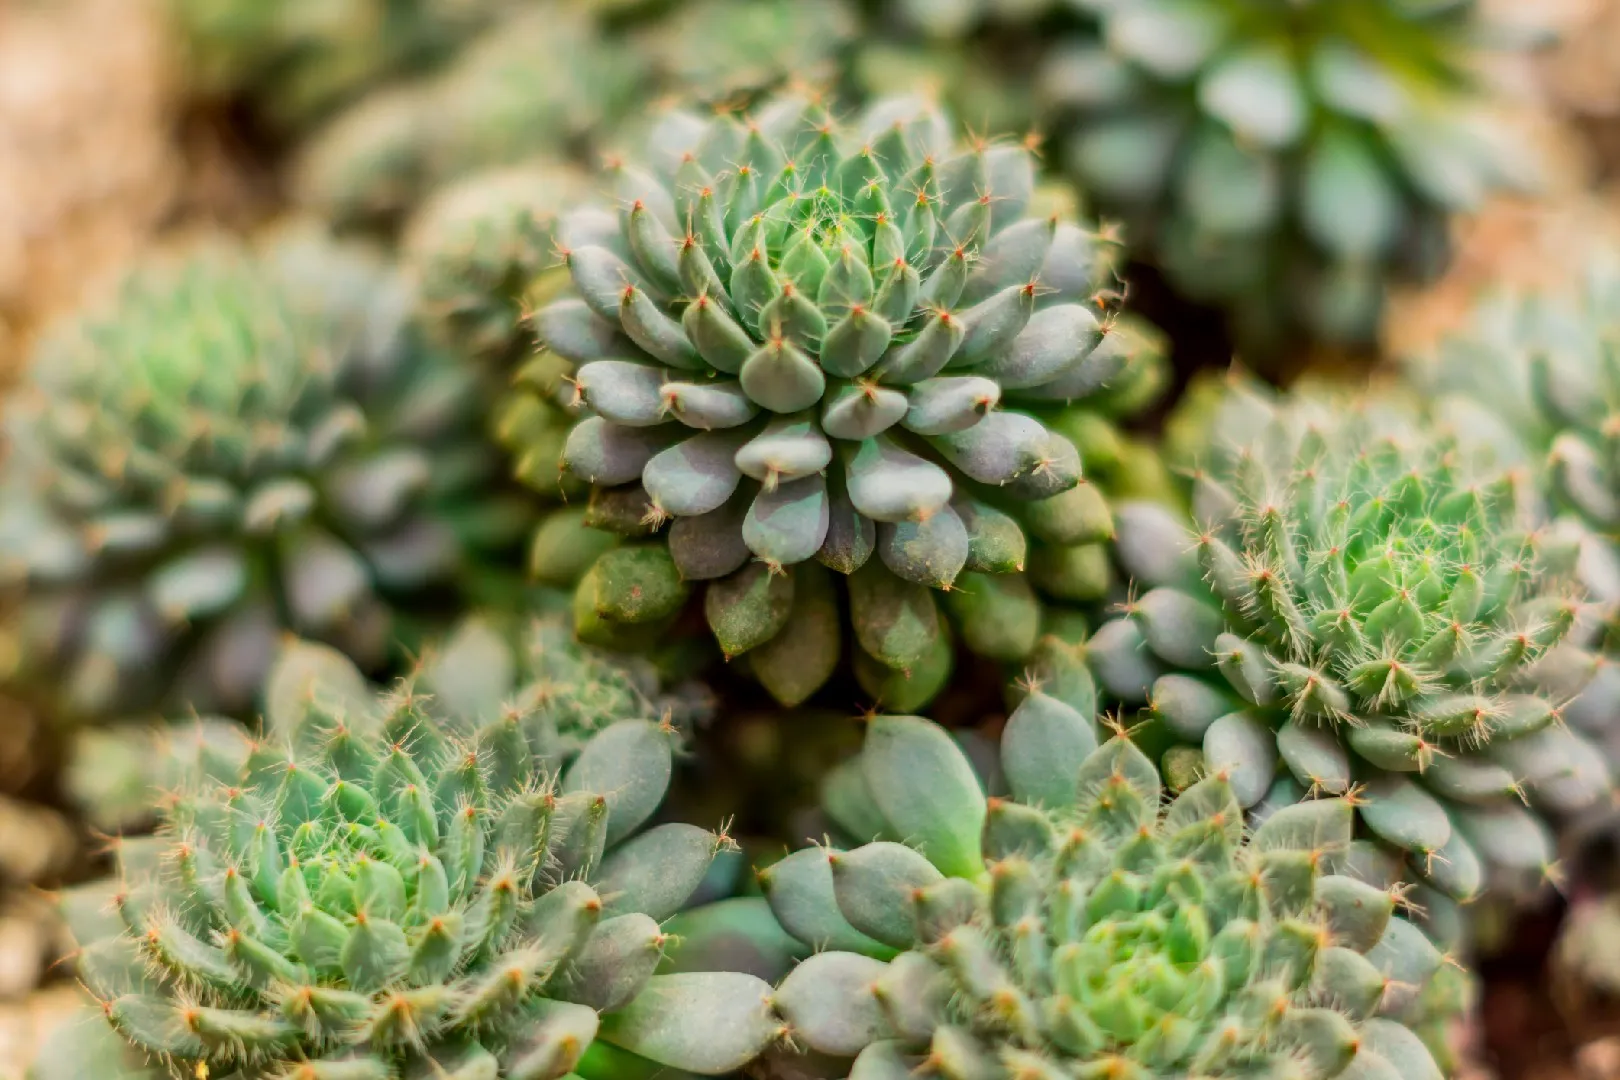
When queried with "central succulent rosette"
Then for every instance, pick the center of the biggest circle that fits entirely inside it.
(1074, 926)
(801, 342)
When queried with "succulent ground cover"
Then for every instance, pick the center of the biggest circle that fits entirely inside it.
(819, 370)
(1078, 926)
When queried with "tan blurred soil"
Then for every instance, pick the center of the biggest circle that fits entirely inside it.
(86, 162)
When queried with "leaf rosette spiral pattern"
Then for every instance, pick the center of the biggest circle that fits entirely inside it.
(382, 887)
(800, 343)
(1077, 927)
(1375, 612)
(243, 442)
(1284, 164)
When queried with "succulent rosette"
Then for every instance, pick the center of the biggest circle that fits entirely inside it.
(1077, 925)
(244, 441)
(402, 885)
(1285, 163)
(1367, 608)
(801, 350)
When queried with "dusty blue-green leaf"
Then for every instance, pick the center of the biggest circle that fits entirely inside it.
(789, 523)
(1258, 93)
(888, 483)
(710, 1022)
(926, 790)
(695, 476)
(1241, 747)
(828, 1001)
(929, 552)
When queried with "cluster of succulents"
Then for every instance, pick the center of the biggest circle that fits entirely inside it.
(1365, 606)
(818, 370)
(1284, 164)
(1531, 379)
(1077, 927)
(243, 442)
(804, 345)
(402, 884)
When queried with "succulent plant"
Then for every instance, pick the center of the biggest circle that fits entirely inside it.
(1531, 378)
(81, 1045)
(296, 60)
(982, 82)
(1281, 164)
(947, 19)
(388, 886)
(710, 50)
(794, 342)
(1372, 612)
(1077, 927)
(480, 248)
(493, 105)
(478, 671)
(244, 441)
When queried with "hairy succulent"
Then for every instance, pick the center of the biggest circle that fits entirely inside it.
(243, 442)
(804, 345)
(81, 1045)
(1533, 380)
(1077, 927)
(1374, 614)
(1281, 164)
(386, 887)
